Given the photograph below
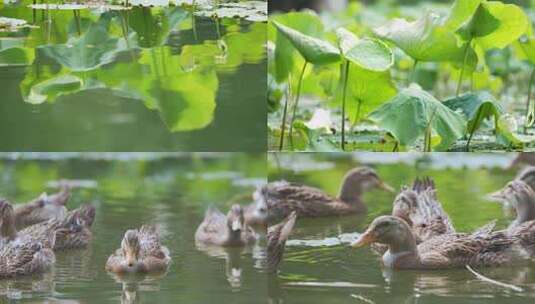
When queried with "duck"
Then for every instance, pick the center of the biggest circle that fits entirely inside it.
(75, 226)
(481, 248)
(23, 254)
(276, 241)
(141, 252)
(421, 209)
(283, 197)
(42, 209)
(228, 231)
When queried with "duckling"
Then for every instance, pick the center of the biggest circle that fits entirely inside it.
(277, 237)
(282, 197)
(42, 209)
(482, 248)
(140, 252)
(228, 231)
(26, 256)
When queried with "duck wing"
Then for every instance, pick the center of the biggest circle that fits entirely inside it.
(24, 256)
(149, 240)
(215, 222)
(427, 217)
(277, 237)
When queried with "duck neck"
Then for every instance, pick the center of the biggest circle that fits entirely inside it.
(525, 212)
(7, 228)
(234, 236)
(351, 190)
(402, 252)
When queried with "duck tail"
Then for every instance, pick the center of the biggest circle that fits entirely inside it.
(62, 197)
(277, 237)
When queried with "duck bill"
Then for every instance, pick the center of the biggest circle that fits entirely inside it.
(497, 196)
(130, 258)
(365, 239)
(386, 187)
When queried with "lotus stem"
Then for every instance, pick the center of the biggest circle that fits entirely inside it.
(463, 67)
(412, 77)
(427, 136)
(33, 11)
(284, 114)
(193, 25)
(530, 109)
(472, 130)
(298, 93)
(346, 78)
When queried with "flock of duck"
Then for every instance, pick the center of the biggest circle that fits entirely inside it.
(417, 235)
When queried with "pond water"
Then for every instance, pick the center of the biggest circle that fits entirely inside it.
(173, 190)
(319, 266)
(142, 79)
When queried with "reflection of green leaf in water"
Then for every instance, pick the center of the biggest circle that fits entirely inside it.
(408, 116)
(13, 52)
(91, 50)
(54, 87)
(187, 101)
(153, 29)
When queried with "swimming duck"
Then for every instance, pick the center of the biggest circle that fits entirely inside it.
(482, 248)
(26, 256)
(220, 230)
(75, 226)
(42, 209)
(277, 237)
(421, 209)
(140, 252)
(283, 197)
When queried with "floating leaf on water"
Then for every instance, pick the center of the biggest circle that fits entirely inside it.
(255, 11)
(12, 24)
(77, 6)
(314, 50)
(408, 116)
(53, 88)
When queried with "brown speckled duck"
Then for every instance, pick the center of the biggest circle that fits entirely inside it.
(277, 237)
(228, 231)
(23, 254)
(482, 248)
(140, 252)
(283, 197)
(75, 227)
(42, 209)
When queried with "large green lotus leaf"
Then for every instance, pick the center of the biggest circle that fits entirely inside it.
(476, 107)
(495, 25)
(286, 59)
(460, 12)
(408, 115)
(187, 101)
(13, 53)
(369, 88)
(427, 39)
(244, 47)
(369, 54)
(52, 88)
(525, 48)
(91, 50)
(314, 50)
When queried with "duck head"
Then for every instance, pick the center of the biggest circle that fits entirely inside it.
(389, 230)
(527, 176)
(521, 196)
(257, 213)
(42, 209)
(7, 220)
(235, 220)
(131, 248)
(359, 180)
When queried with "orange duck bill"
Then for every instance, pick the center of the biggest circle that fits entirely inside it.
(365, 239)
